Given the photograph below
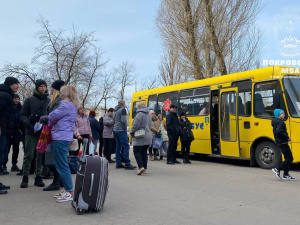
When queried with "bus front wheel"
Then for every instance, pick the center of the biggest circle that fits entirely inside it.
(267, 155)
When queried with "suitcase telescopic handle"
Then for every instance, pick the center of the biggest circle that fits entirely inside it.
(92, 184)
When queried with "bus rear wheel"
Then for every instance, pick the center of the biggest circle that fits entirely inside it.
(267, 155)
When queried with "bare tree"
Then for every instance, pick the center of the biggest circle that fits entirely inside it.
(213, 37)
(125, 75)
(73, 57)
(149, 83)
(170, 69)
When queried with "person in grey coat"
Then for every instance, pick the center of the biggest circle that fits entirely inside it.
(142, 120)
(108, 140)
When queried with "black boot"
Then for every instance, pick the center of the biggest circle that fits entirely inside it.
(54, 186)
(39, 182)
(24, 183)
(3, 192)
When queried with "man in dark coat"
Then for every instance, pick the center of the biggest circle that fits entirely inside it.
(101, 136)
(16, 137)
(34, 107)
(173, 129)
(7, 90)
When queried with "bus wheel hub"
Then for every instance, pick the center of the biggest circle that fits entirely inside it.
(267, 155)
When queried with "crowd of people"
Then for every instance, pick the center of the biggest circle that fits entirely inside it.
(68, 121)
(151, 134)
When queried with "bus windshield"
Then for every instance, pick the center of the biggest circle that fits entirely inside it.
(292, 91)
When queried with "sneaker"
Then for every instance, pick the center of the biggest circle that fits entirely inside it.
(145, 171)
(140, 171)
(288, 177)
(60, 194)
(67, 197)
(277, 173)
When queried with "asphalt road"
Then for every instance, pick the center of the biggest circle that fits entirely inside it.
(212, 191)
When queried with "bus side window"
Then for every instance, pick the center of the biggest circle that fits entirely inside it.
(195, 102)
(267, 99)
(244, 98)
(134, 108)
(164, 102)
(152, 102)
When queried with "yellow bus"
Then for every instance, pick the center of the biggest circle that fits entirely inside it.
(231, 115)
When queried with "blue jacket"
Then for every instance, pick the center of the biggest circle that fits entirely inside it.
(95, 127)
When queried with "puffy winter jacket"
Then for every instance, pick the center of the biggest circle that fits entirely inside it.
(7, 119)
(173, 126)
(279, 130)
(65, 115)
(34, 107)
(83, 125)
(108, 125)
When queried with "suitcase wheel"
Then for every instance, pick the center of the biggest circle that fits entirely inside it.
(80, 211)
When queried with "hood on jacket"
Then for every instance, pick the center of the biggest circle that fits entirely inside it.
(6, 88)
(143, 109)
(154, 118)
(117, 107)
(108, 115)
(275, 121)
(40, 95)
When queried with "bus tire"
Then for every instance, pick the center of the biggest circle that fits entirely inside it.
(267, 155)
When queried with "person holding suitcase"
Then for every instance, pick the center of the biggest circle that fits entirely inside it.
(63, 120)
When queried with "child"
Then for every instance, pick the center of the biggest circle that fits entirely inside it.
(282, 138)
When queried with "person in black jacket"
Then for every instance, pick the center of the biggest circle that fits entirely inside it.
(34, 107)
(7, 121)
(101, 136)
(281, 139)
(173, 129)
(186, 137)
(96, 129)
(16, 137)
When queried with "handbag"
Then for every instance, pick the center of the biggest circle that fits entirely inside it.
(74, 145)
(45, 139)
(157, 142)
(140, 133)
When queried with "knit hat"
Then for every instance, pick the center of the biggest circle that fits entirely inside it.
(182, 114)
(58, 84)
(16, 96)
(277, 112)
(92, 113)
(173, 106)
(121, 102)
(11, 80)
(39, 82)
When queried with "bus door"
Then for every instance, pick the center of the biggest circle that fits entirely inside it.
(228, 122)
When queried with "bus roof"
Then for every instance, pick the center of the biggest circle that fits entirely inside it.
(267, 73)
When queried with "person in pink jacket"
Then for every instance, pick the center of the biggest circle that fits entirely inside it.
(82, 127)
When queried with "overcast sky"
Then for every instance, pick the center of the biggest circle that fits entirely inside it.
(125, 28)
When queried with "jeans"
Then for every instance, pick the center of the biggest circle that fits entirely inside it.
(288, 158)
(122, 143)
(95, 142)
(60, 150)
(140, 154)
(3, 151)
(171, 155)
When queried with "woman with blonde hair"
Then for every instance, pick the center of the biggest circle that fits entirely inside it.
(63, 121)
(54, 103)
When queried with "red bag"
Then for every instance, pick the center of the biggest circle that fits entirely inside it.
(45, 139)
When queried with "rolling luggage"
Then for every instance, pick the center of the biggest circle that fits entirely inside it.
(91, 183)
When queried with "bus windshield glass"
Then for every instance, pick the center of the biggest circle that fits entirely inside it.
(292, 91)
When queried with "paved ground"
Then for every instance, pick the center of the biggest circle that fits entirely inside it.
(205, 192)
